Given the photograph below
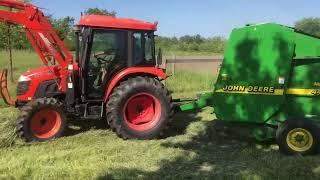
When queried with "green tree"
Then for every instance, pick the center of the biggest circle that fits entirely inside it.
(62, 26)
(12, 38)
(189, 43)
(64, 29)
(99, 11)
(309, 25)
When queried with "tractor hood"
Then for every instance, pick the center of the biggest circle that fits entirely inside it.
(30, 81)
(41, 73)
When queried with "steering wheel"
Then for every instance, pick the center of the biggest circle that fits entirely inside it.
(101, 56)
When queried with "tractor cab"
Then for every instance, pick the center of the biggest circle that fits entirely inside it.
(108, 45)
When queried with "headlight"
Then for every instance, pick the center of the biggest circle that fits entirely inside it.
(23, 78)
(23, 87)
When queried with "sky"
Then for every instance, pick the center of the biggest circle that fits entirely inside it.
(181, 17)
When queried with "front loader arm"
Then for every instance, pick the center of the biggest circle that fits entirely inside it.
(42, 36)
(12, 4)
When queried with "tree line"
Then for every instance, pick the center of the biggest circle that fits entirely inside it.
(63, 27)
(194, 43)
(197, 43)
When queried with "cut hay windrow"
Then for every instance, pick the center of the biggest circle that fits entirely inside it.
(7, 127)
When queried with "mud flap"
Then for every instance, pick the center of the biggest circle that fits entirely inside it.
(4, 92)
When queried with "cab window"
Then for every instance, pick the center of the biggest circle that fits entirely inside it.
(143, 51)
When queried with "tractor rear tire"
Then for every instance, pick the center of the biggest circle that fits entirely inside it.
(41, 120)
(298, 137)
(139, 108)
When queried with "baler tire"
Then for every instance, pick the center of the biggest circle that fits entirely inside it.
(135, 92)
(303, 125)
(41, 120)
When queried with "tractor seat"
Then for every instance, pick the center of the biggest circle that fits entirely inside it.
(105, 77)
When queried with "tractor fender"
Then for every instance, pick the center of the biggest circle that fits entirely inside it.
(131, 72)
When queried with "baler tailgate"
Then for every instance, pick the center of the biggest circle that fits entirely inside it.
(4, 92)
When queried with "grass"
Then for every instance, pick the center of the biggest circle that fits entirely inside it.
(195, 147)
(7, 127)
(185, 84)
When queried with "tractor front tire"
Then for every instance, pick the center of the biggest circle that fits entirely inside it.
(41, 120)
(298, 137)
(139, 108)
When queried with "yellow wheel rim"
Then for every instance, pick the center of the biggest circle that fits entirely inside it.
(299, 139)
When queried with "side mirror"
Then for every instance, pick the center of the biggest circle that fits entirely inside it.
(159, 57)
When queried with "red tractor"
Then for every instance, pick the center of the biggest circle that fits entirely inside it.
(115, 77)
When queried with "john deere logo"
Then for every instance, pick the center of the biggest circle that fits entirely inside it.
(255, 89)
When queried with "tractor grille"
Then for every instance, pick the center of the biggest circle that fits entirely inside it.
(23, 87)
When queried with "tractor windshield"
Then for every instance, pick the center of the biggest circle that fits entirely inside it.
(108, 53)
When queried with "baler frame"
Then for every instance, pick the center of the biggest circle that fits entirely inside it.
(270, 83)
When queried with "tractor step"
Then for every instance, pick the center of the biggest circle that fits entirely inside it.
(94, 110)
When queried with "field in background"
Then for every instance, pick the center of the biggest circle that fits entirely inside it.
(186, 53)
(22, 62)
(195, 147)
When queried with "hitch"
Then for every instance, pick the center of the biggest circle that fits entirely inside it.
(202, 101)
(4, 91)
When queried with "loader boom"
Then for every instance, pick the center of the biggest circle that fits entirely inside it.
(42, 36)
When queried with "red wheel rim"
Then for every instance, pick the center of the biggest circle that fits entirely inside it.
(45, 123)
(142, 112)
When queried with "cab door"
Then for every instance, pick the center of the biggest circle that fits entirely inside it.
(107, 55)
